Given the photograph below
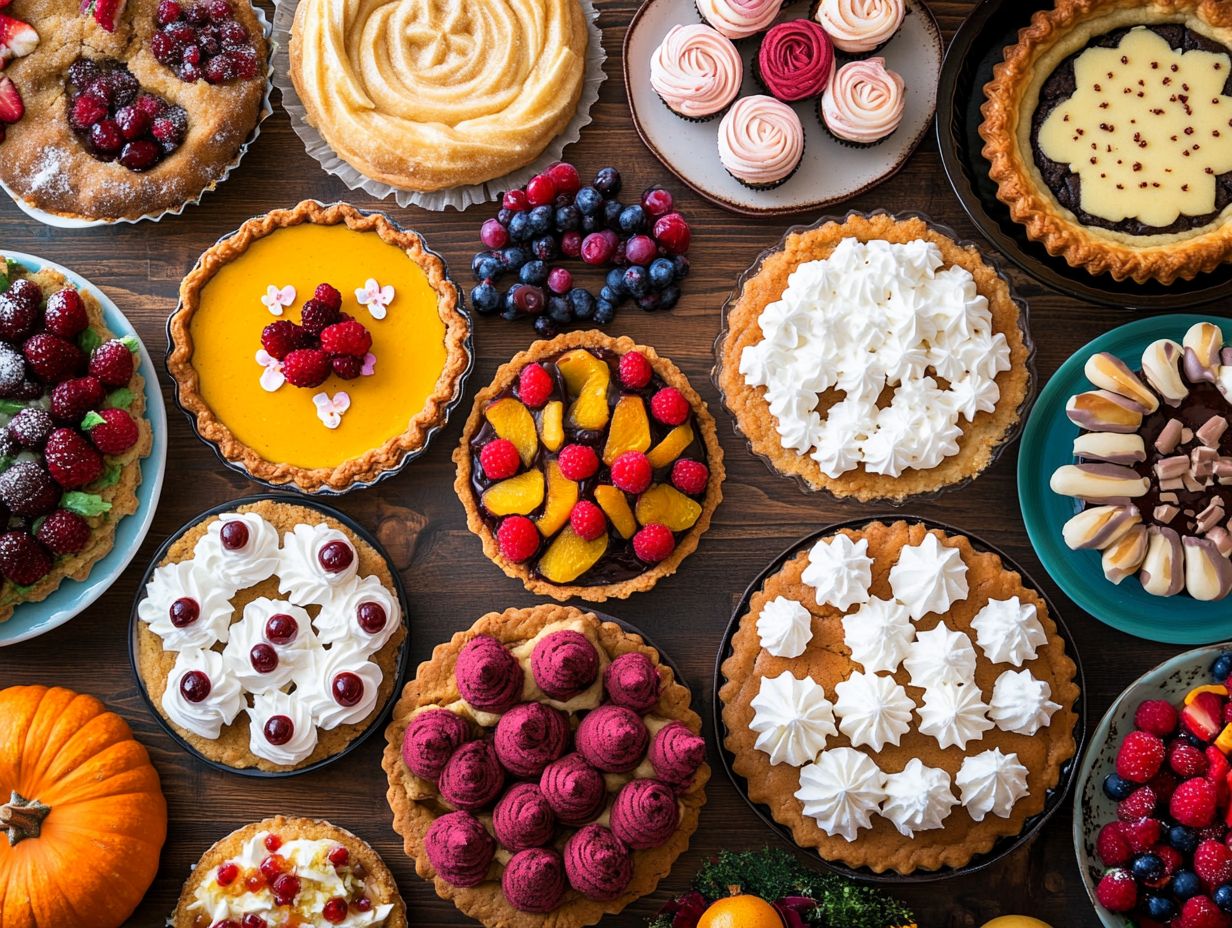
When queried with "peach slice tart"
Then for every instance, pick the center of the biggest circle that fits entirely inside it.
(589, 467)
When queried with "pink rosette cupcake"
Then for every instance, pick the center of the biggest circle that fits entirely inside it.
(676, 754)
(564, 664)
(522, 818)
(613, 738)
(761, 142)
(430, 740)
(696, 72)
(488, 676)
(529, 737)
(739, 19)
(534, 880)
(459, 849)
(574, 789)
(473, 776)
(645, 814)
(598, 864)
(632, 681)
(795, 61)
(863, 106)
(859, 28)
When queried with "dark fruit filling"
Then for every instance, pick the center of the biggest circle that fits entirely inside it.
(195, 686)
(234, 535)
(348, 689)
(184, 612)
(279, 729)
(118, 121)
(264, 658)
(371, 617)
(281, 629)
(204, 41)
(335, 556)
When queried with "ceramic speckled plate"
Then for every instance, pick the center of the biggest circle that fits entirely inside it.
(1047, 443)
(830, 172)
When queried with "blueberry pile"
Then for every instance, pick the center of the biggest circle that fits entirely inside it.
(554, 218)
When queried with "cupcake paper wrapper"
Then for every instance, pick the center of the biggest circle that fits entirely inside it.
(458, 198)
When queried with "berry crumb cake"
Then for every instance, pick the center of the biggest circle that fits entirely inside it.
(589, 467)
(545, 768)
(72, 433)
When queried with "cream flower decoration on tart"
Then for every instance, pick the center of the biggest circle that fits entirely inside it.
(839, 571)
(792, 718)
(873, 710)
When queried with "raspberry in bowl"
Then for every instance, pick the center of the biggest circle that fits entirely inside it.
(1152, 812)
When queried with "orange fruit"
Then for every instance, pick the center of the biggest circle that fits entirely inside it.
(741, 912)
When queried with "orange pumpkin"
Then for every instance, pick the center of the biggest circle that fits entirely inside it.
(83, 811)
(740, 912)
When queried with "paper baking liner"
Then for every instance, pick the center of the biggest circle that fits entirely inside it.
(71, 222)
(458, 198)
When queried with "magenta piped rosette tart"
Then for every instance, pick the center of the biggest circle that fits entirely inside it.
(545, 763)
(795, 61)
(863, 104)
(696, 71)
(859, 28)
(761, 142)
(739, 19)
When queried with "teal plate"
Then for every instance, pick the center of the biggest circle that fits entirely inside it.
(72, 596)
(1047, 443)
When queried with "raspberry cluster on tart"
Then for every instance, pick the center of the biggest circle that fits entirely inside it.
(589, 467)
(287, 870)
(1106, 128)
(130, 109)
(72, 433)
(268, 637)
(343, 394)
(543, 765)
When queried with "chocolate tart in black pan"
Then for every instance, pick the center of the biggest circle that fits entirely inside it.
(978, 45)
(1054, 798)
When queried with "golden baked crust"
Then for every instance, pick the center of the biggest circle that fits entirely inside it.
(46, 166)
(379, 882)
(828, 661)
(414, 109)
(505, 376)
(1011, 99)
(231, 747)
(373, 463)
(434, 686)
(980, 437)
(122, 495)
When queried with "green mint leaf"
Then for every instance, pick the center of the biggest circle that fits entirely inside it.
(88, 341)
(131, 342)
(92, 419)
(38, 523)
(111, 476)
(84, 504)
(11, 407)
(120, 399)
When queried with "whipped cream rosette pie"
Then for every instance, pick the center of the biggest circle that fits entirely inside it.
(286, 871)
(875, 357)
(269, 636)
(898, 698)
(589, 467)
(1107, 128)
(120, 111)
(545, 768)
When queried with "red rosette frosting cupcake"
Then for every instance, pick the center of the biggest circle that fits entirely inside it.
(795, 60)
(598, 864)
(632, 681)
(430, 740)
(564, 664)
(488, 676)
(534, 880)
(473, 777)
(676, 754)
(645, 814)
(613, 738)
(522, 818)
(574, 789)
(459, 849)
(529, 737)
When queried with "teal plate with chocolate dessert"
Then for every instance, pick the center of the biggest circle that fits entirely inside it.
(1047, 443)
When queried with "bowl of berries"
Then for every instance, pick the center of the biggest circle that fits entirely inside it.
(550, 235)
(1152, 808)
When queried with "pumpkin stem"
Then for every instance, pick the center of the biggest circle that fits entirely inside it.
(22, 818)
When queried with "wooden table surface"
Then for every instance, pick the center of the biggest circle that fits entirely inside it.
(449, 581)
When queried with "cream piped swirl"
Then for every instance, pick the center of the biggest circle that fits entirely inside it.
(262, 735)
(696, 70)
(864, 101)
(365, 613)
(317, 685)
(303, 576)
(739, 19)
(246, 555)
(184, 609)
(859, 26)
(221, 703)
(258, 661)
(761, 140)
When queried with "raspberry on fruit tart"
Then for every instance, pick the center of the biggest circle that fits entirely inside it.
(589, 467)
(346, 388)
(72, 433)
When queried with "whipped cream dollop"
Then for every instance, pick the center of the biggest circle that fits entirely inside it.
(954, 714)
(281, 729)
(785, 627)
(238, 550)
(839, 571)
(339, 685)
(991, 783)
(873, 710)
(1021, 703)
(1009, 631)
(185, 608)
(317, 563)
(878, 634)
(792, 718)
(761, 140)
(940, 655)
(859, 26)
(696, 70)
(918, 798)
(870, 316)
(841, 791)
(739, 19)
(201, 706)
(929, 577)
(364, 613)
(270, 646)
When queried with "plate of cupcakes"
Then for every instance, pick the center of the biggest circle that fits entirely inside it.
(766, 108)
